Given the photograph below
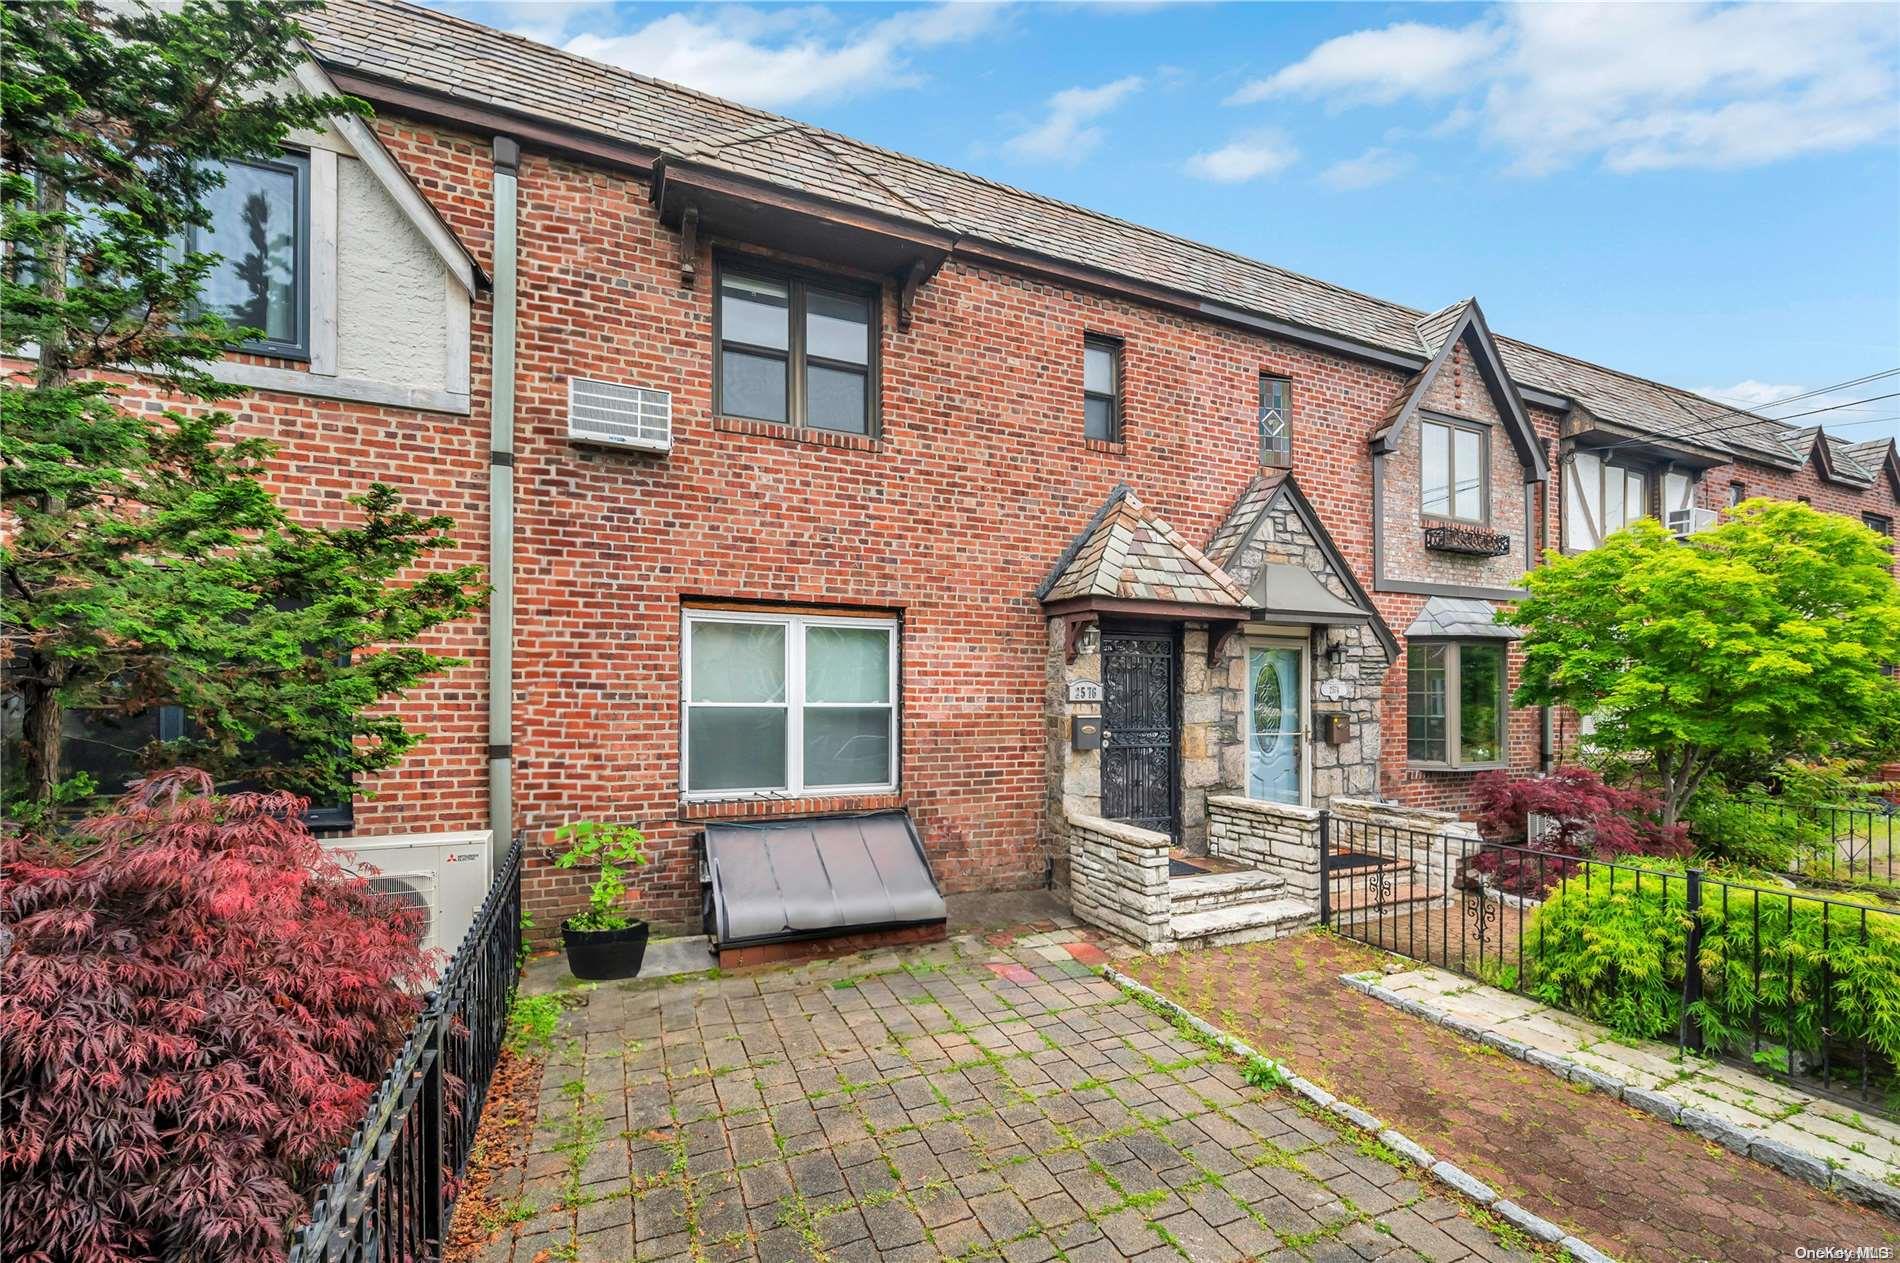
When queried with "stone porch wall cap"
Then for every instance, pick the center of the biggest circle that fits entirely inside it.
(1116, 829)
(1261, 807)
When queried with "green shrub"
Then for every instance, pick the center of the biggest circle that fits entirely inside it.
(1749, 829)
(1609, 944)
(608, 845)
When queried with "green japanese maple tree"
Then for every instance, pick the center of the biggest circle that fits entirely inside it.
(145, 561)
(1770, 636)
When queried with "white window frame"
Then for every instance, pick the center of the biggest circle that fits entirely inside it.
(1303, 744)
(794, 704)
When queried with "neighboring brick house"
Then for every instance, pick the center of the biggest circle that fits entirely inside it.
(947, 466)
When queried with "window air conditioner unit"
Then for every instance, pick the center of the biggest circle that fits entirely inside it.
(444, 874)
(1686, 522)
(613, 415)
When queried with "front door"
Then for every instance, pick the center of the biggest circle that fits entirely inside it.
(1275, 740)
(1138, 678)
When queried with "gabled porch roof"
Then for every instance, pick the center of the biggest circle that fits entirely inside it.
(1128, 559)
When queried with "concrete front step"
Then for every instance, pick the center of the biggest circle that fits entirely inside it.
(1242, 922)
(1207, 891)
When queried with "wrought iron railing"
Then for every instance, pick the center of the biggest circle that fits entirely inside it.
(1859, 847)
(395, 1182)
(1786, 981)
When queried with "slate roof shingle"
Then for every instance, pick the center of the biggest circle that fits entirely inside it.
(1130, 554)
(455, 57)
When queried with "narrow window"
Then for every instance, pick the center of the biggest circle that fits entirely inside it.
(1878, 524)
(1276, 421)
(786, 704)
(795, 351)
(1456, 706)
(1101, 388)
(260, 226)
(1452, 474)
(1737, 492)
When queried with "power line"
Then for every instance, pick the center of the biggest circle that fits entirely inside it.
(1747, 419)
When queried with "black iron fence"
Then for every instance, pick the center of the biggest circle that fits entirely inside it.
(1793, 983)
(395, 1182)
(1850, 844)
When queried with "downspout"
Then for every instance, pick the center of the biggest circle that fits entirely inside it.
(501, 510)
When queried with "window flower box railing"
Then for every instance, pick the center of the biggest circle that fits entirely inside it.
(1468, 539)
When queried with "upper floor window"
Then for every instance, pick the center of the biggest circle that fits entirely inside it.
(1455, 703)
(1601, 498)
(1101, 388)
(1276, 421)
(794, 350)
(1737, 492)
(788, 704)
(1878, 523)
(260, 224)
(1453, 471)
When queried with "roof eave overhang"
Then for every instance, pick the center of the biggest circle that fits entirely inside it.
(762, 213)
(1092, 603)
(1586, 430)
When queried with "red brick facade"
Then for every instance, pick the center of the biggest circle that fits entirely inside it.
(949, 518)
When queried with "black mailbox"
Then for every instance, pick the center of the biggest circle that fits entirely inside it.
(1335, 729)
(1085, 732)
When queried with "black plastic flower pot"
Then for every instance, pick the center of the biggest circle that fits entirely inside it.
(600, 955)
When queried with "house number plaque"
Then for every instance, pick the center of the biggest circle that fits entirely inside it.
(1084, 691)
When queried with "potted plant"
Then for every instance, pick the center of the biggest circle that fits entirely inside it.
(604, 941)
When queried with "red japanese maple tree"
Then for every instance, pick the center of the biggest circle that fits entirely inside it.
(1580, 815)
(194, 1010)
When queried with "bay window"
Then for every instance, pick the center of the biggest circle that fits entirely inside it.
(1455, 703)
(788, 704)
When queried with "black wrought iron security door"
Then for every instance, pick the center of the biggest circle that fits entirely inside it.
(1138, 729)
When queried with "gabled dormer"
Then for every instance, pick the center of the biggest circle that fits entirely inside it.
(1456, 465)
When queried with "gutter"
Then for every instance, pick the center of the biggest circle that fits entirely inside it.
(501, 506)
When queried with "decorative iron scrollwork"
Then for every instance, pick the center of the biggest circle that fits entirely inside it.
(1470, 539)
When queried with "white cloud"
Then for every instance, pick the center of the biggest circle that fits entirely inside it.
(1838, 408)
(1408, 59)
(1636, 87)
(1373, 167)
(788, 56)
(1066, 133)
(1244, 158)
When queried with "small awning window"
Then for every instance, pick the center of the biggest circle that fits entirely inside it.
(1294, 594)
(1460, 618)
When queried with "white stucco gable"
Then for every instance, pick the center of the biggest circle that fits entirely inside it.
(390, 285)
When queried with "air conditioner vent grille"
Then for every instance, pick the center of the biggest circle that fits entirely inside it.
(619, 416)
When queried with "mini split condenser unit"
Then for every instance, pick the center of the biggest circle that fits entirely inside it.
(444, 874)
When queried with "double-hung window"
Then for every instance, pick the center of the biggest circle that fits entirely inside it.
(788, 704)
(1101, 388)
(259, 223)
(795, 350)
(1276, 421)
(1455, 703)
(1453, 477)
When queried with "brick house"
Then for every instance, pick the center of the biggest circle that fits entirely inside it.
(930, 481)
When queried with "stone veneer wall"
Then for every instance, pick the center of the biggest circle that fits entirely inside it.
(1432, 841)
(1118, 879)
(1274, 837)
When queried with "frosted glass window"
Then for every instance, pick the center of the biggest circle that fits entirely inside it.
(738, 662)
(847, 664)
(785, 703)
(835, 399)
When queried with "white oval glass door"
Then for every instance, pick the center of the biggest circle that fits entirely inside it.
(1274, 738)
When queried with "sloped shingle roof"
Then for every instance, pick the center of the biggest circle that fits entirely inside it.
(443, 54)
(1129, 554)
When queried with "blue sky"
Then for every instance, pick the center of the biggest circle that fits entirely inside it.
(1707, 195)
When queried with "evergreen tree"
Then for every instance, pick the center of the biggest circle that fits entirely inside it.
(144, 560)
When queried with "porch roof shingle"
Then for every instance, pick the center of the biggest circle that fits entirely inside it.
(452, 57)
(1128, 553)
